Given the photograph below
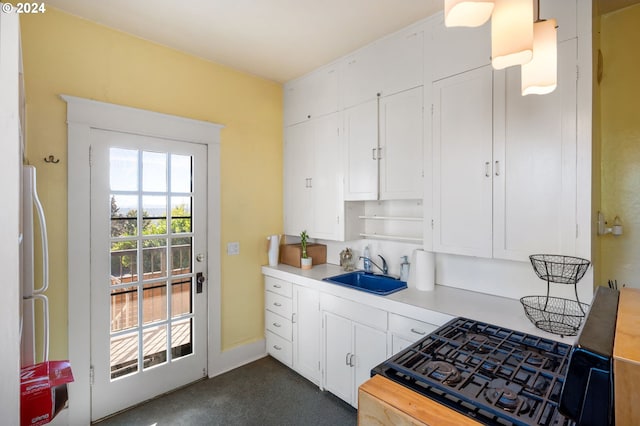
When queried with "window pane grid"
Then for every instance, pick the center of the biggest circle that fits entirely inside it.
(152, 235)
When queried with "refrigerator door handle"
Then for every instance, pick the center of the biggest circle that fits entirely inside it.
(45, 243)
(45, 322)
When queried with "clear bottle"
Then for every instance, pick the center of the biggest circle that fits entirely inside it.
(404, 269)
(366, 262)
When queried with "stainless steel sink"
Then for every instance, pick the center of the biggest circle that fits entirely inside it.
(364, 281)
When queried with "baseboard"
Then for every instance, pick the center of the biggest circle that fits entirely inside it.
(237, 357)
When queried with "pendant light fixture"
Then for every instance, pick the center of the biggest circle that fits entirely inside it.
(467, 13)
(540, 75)
(511, 33)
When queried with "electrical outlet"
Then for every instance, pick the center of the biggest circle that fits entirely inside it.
(233, 248)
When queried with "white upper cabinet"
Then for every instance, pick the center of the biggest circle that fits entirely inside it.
(535, 164)
(462, 161)
(458, 49)
(401, 61)
(313, 179)
(361, 142)
(388, 66)
(565, 13)
(400, 154)
(360, 76)
(311, 96)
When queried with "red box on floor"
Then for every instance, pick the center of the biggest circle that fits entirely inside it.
(43, 391)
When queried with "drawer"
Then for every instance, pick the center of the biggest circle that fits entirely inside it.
(278, 304)
(279, 348)
(409, 328)
(279, 325)
(278, 286)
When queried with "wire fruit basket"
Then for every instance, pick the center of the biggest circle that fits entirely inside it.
(555, 314)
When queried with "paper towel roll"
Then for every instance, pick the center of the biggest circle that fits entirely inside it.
(423, 270)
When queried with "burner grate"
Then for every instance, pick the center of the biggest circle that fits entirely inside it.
(495, 375)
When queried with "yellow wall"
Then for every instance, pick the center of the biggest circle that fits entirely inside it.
(620, 143)
(63, 54)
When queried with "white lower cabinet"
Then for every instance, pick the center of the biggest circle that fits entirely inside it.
(351, 351)
(404, 331)
(277, 318)
(307, 324)
(355, 341)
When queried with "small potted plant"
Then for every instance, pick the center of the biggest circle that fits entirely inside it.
(305, 260)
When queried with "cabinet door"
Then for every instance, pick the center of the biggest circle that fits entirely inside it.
(298, 169)
(324, 91)
(306, 333)
(459, 49)
(535, 165)
(296, 101)
(402, 61)
(462, 160)
(361, 133)
(327, 182)
(338, 373)
(401, 157)
(360, 76)
(370, 348)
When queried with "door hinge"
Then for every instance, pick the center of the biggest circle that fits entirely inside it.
(431, 223)
(432, 108)
(91, 376)
(576, 230)
(90, 151)
(338, 220)
(204, 372)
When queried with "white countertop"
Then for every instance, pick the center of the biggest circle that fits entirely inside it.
(436, 307)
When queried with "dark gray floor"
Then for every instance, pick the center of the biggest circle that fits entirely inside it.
(261, 393)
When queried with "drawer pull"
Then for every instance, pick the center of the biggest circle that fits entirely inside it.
(275, 324)
(277, 286)
(277, 304)
(277, 348)
(422, 333)
(346, 360)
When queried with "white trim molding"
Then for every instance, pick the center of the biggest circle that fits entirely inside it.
(82, 116)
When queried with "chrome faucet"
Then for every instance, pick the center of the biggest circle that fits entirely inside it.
(385, 267)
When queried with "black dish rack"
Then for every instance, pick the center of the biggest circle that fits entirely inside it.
(555, 314)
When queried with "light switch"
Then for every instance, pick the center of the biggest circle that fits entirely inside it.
(233, 248)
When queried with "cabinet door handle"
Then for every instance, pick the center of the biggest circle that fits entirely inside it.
(310, 182)
(373, 153)
(486, 169)
(277, 286)
(277, 304)
(275, 324)
(293, 317)
(351, 363)
(277, 348)
(497, 168)
(380, 153)
(422, 333)
(346, 359)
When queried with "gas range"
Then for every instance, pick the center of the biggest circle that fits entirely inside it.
(492, 374)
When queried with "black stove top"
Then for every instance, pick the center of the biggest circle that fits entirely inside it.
(495, 375)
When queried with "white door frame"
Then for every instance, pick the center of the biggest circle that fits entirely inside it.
(82, 116)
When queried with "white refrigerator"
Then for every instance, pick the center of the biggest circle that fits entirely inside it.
(33, 297)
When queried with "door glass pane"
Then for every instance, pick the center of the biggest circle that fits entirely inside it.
(181, 338)
(124, 308)
(180, 255)
(124, 215)
(154, 345)
(154, 212)
(181, 297)
(180, 173)
(154, 171)
(154, 258)
(124, 262)
(123, 173)
(180, 214)
(154, 302)
(124, 354)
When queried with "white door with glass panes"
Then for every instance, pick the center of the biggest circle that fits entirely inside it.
(148, 268)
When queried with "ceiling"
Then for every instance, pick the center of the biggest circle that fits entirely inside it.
(275, 39)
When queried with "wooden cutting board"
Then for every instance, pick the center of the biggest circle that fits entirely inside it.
(626, 358)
